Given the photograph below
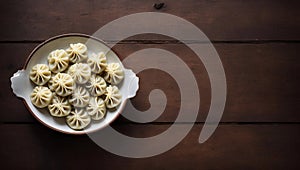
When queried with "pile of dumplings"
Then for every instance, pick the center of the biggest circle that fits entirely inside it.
(76, 86)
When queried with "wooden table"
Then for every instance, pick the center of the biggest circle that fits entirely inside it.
(258, 43)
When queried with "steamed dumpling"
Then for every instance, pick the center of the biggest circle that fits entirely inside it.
(58, 61)
(96, 108)
(97, 62)
(77, 52)
(113, 73)
(78, 119)
(63, 84)
(59, 106)
(40, 74)
(80, 97)
(41, 96)
(113, 97)
(80, 72)
(96, 85)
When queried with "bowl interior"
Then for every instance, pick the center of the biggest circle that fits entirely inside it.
(39, 56)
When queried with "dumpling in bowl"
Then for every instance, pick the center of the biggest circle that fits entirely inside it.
(59, 106)
(80, 97)
(113, 73)
(58, 61)
(96, 85)
(40, 74)
(97, 62)
(41, 96)
(80, 72)
(113, 97)
(96, 108)
(77, 52)
(78, 119)
(63, 84)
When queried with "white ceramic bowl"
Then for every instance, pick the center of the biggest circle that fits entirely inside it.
(22, 86)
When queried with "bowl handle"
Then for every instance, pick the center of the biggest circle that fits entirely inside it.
(132, 83)
(18, 82)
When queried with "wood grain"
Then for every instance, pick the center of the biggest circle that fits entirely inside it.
(258, 43)
(262, 81)
(231, 147)
(220, 20)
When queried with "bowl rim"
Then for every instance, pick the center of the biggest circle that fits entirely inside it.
(25, 67)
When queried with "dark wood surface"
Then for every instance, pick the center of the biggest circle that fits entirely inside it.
(231, 147)
(220, 20)
(258, 43)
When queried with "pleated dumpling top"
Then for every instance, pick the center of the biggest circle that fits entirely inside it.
(58, 61)
(113, 73)
(77, 52)
(80, 97)
(59, 106)
(96, 108)
(63, 84)
(97, 62)
(78, 119)
(80, 72)
(41, 96)
(96, 85)
(113, 97)
(40, 74)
